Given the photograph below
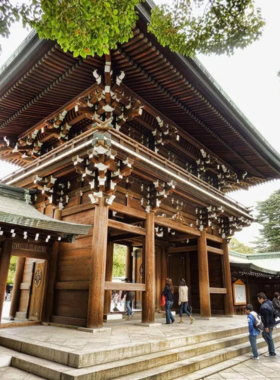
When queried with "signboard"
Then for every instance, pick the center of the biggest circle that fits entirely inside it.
(239, 293)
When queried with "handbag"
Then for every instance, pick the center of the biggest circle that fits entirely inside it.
(163, 300)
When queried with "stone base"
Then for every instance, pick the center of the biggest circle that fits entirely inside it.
(112, 317)
(95, 330)
(148, 324)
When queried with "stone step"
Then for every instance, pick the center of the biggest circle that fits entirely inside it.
(16, 374)
(212, 370)
(75, 359)
(5, 360)
(134, 367)
(184, 368)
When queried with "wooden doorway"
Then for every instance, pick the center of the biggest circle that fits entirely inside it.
(37, 291)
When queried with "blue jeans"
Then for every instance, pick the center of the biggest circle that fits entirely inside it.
(128, 308)
(169, 316)
(253, 342)
(267, 336)
(183, 308)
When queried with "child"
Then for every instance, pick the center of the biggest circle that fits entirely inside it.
(253, 332)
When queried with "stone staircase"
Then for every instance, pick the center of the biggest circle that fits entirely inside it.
(177, 358)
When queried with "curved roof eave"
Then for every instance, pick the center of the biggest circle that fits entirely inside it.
(18, 61)
(211, 85)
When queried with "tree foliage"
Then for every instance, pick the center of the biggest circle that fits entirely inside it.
(237, 246)
(269, 217)
(8, 15)
(88, 27)
(119, 260)
(203, 26)
(12, 270)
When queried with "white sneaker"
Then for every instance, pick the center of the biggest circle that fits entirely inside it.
(254, 358)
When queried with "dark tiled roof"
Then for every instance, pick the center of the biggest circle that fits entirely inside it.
(16, 209)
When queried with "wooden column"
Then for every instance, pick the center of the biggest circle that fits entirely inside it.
(16, 289)
(188, 276)
(148, 303)
(228, 300)
(51, 276)
(158, 277)
(98, 265)
(5, 258)
(109, 276)
(163, 270)
(203, 270)
(128, 263)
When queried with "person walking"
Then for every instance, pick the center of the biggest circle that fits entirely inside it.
(267, 315)
(129, 299)
(276, 302)
(183, 300)
(168, 293)
(253, 332)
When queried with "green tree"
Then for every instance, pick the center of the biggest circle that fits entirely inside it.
(269, 217)
(88, 27)
(9, 13)
(237, 246)
(12, 270)
(119, 260)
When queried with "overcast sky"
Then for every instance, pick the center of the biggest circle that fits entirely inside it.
(249, 78)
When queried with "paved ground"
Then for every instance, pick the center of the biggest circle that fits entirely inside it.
(265, 368)
(15, 374)
(121, 334)
(5, 312)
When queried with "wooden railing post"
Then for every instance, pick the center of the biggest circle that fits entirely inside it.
(203, 269)
(148, 303)
(98, 265)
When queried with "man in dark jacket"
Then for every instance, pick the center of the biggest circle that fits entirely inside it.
(266, 312)
(130, 296)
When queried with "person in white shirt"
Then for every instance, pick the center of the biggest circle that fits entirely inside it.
(183, 300)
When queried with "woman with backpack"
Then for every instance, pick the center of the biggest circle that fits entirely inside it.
(183, 300)
(168, 293)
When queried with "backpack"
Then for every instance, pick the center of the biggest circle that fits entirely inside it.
(258, 325)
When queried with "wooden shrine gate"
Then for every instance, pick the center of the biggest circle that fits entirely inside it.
(30, 280)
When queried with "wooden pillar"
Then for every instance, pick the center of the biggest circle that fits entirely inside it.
(163, 270)
(203, 270)
(98, 265)
(158, 277)
(138, 260)
(51, 276)
(128, 263)
(16, 289)
(228, 300)
(188, 276)
(109, 276)
(5, 258)
(148, 302)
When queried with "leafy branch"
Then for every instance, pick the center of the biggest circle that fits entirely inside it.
(89, 27)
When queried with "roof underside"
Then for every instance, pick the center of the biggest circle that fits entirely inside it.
(46, 78)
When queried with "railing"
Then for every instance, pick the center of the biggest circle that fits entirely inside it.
(84, 140)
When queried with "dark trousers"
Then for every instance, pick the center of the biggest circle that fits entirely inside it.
(169, 316)
(183, 308)
(267, 336)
